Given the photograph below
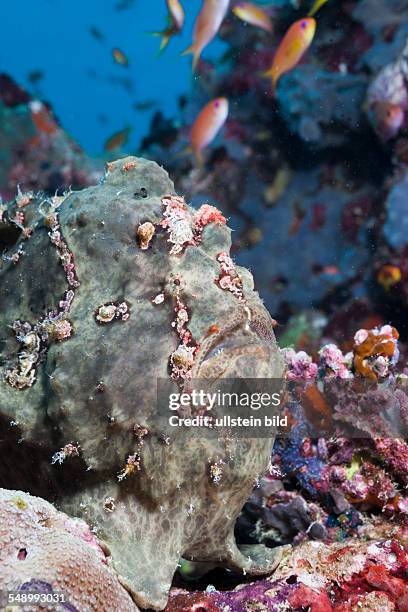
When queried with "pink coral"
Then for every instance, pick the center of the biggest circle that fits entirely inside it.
(315, 601)
(348, 572)
(43, 550)
(332, 359)
(394, 453)
(300, 365)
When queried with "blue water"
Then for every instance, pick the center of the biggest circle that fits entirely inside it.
(80, 77)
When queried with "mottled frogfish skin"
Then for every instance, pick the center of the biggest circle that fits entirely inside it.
(103, 292)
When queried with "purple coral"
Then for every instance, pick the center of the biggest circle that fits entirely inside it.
(300, 365)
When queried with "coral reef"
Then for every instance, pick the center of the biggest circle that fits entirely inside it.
(315, 183)
(339, 500)
(387, 97)
(36, 153)
(345, 455)
(395, 227)
(327, 153)
(109, 289)
(322, 108)
(44, 551)
(341, 577)
(96, 308)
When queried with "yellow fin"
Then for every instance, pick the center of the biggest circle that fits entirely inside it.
(270, 74)
(184, 151)
(315, 7)
(188, 50)
(195, 53)
(266, 74)
(165, 39)
(199, 158)
(189, 150)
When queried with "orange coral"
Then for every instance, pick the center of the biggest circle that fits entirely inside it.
(374, 344)
(317, 409)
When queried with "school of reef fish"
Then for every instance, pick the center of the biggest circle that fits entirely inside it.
(298, 141)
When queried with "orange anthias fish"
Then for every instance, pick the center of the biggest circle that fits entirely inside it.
(42, 118)
(388, 119)
(331, 270)
(117, 140)
(120, 57)
(255, 15)
(176, 22)
(206, 26)
(292, 48)
(388, 276)
(207, 125)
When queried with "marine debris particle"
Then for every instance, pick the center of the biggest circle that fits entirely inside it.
(69, 450)
(133, 464)
(374, 350)
(229, 279)
(184, 228)
(182, 359)
(112, 311)
(15, 257)
(145, 233)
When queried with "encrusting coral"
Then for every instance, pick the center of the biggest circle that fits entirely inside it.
(367, 575)
(45, 552)
(95, 308)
